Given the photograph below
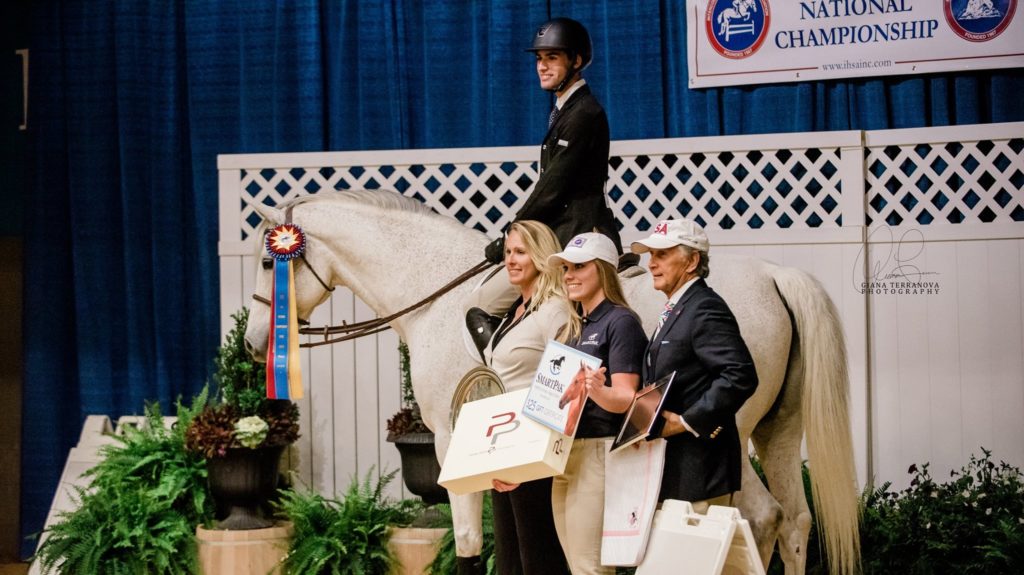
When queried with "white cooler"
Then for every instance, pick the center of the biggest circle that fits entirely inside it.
(688, 543)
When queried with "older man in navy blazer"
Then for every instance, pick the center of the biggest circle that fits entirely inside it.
(699, 339)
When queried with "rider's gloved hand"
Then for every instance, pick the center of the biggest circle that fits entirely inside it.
(495, 251)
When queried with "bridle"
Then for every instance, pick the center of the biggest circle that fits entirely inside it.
(372, 326)
(268, 262)
(376, 325)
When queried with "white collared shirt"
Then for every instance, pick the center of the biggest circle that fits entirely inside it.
(679, 292)
(678, 295)
(561, 100)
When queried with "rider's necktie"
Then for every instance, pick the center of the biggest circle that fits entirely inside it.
(552, 116)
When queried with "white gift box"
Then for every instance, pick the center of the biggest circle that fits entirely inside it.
(493, 440)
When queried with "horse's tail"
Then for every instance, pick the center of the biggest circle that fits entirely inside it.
(825, 413)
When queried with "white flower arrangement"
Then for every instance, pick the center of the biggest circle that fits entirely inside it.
(251, 431)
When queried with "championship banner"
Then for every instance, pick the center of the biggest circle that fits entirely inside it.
(737, 42)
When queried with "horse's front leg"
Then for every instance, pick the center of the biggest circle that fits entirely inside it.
(467, 512)
(469, 538)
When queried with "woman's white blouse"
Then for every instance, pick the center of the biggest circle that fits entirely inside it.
(516, 356)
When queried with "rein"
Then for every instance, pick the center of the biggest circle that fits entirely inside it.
(372, 326)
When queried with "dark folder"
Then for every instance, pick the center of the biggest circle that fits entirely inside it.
(644, 414)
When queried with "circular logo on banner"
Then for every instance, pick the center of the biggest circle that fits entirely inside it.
(978, 20)
(285, 242)
(737, 28)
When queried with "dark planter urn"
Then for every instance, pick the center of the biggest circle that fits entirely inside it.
(242, 482)
(420, 468)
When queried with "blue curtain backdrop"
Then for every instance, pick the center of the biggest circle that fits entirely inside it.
(132, 101)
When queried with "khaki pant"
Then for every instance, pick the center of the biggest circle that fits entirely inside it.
(577, 499)
(703, 506)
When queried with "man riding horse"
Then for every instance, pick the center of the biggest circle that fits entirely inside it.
(569, 194)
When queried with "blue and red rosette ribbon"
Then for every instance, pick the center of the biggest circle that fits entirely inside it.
(284, 374)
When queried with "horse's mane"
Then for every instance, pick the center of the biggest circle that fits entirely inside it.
(386, 199)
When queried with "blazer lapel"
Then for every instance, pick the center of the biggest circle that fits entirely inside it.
(573, 100)
(672, 317)
(655, 344)
(650, 354)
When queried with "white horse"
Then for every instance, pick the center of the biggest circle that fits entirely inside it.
(392, 251)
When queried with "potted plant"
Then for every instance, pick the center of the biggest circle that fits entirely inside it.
(415, 441)
(139, 513)
(349, 535)
(242, 434)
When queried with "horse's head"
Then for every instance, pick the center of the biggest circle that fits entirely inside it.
(355, 238)
(313, 272)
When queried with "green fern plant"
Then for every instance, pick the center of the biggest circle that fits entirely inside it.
(141, 508)
(346, 536)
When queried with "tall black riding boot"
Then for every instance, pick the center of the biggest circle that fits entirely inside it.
(469, 565)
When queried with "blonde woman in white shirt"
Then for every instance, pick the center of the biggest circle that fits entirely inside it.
(524, 530)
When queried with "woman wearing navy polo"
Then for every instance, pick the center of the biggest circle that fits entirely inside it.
(602, 325)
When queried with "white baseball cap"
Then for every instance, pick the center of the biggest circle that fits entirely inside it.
(671, 233)
(586, 247)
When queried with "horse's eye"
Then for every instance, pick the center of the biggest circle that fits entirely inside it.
(268, 263)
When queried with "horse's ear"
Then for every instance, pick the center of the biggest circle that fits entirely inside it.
(270, 214)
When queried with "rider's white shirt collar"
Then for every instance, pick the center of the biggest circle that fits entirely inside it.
(565, 95)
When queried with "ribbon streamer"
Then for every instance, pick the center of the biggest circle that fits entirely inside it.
(284, 373)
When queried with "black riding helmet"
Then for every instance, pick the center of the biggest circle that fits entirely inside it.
(569, 36)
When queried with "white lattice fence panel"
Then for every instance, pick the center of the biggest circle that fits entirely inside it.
(948, 182)
(753, 189)
(783, 181)
(482, 195)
